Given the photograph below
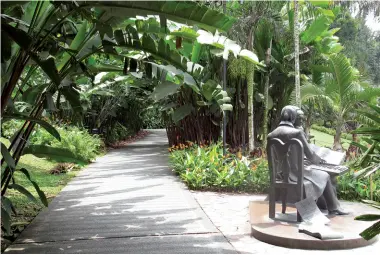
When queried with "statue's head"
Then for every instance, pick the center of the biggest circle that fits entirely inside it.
(299, 117)
(288, 115)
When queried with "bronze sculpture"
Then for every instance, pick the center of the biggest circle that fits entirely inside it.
(316, 183)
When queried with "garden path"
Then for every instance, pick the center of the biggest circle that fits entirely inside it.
(128, 201)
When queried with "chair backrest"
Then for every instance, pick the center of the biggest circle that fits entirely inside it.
(283, 159)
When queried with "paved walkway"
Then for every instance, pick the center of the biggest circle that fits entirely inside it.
(126, 202)
(130, 202)
(229, 212)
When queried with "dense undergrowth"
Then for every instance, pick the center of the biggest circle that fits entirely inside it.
(84, 146)
(205, 168)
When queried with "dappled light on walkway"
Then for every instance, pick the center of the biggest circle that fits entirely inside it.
(129, 202)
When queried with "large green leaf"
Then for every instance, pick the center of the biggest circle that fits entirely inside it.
(322, 3)
(7, 156)
(371, 232)
(208, 89)
(23, 191)
(75, 44)
(73, 97)
(16, 34)
(164, 89)
(40, 193)
(179, 11)
(105, 68)
(6, 203)
(321, 69)
(31, 94)
(43, 151)
(368, 217)
(367, 131)
(319, 25)
(48, 66)
(49, 128)
(24, 41)
(6, 220)
(196, 53)
(344, 74)
(182, 112)
(6, 47)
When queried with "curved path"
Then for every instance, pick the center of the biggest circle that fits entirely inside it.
(128, 201)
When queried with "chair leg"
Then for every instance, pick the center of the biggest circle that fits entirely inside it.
(299, 218)
(284, 196)
(272, 203)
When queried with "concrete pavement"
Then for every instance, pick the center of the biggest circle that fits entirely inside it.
(128, 201)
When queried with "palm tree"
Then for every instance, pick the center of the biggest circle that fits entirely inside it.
(297, 53)
(341, 92)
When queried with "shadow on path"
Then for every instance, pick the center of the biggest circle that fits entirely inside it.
(128, 201)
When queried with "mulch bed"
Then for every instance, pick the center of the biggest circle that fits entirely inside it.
(120, 144)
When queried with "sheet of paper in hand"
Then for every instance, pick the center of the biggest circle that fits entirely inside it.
(319, 231)
(310, 213)
(331, 157)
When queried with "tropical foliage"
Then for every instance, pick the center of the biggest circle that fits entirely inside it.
(78, 68)
(205, 168)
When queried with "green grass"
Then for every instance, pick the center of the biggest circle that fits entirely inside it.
(326, 140)
(50, 184)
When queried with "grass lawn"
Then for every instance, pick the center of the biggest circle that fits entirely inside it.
(326, 140)
(51, 185)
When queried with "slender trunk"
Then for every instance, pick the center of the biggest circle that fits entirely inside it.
(15, 76)
(296, 57)
(337, 143)
(250, 84)
(308, 126)
(266, 94)
(308, 121)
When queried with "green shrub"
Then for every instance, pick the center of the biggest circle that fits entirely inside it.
(10, 127)
(350, 188)
(117, 132)
(206, 168)
(330, 131)
(152, 118)
(82, 144)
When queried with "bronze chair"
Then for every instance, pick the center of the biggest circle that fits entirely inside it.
(280, 164)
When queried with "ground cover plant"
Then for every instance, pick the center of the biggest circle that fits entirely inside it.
(203, 167)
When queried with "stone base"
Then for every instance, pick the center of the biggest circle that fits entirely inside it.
(283, 231)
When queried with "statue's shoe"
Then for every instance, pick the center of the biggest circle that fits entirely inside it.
(338, 212)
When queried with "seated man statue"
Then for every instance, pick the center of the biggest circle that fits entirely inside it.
(298, 124)
(316, 183)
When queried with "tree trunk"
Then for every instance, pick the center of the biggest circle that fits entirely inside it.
(296, 57)
(250, 84)
(309, 117)
(266, 94)
(337, 143)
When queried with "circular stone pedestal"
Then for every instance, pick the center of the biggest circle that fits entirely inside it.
(283, 231)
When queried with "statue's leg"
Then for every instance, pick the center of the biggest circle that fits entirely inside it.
(321, 203)
(330, 196)
(334, 182)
